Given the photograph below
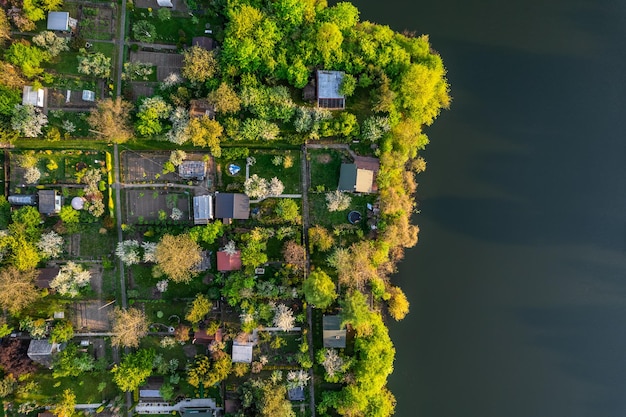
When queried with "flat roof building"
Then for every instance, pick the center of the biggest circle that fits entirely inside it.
(49, 202)
(202, 209)
(334, 336)
(33, 97)
(352, 179)
(227, 262)
(59, 21)
(328, 96)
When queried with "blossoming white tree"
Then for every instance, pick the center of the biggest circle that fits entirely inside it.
(337, 201)
(256, 187)
(276, 187)
(149, 251)
(128, 252)
(32, 175)
(71, 278)
(297, 379)
(50, 245)
(283, 317)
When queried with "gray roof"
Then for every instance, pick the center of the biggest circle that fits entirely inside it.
(58, 21)
(296, 394)
(49, 201)
(202, 209)
(328, 95)
(334, 336)
(33, 97)
(232, 206)
(352, 179)
(192, 170)
(242, 353)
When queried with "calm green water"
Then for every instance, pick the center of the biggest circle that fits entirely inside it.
(518, 284)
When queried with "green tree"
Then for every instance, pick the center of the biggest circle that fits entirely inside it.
(288, 210)
(134, 369)
(9, 97)
(66, 405)
(235, 285)
(71, 362)
(320, 239)
(199, 65)
(348, 85)
(96, 64)
(207, 372)
(144, 31)
(5, 27)
(200, 307)
(52, 43)
(63, 331)
(207, 234)
(205, 131)
(28, 219)
(328, 43)
(319, 289)
(225, 99)
(69, 215)
(344, 14)
(266, 399)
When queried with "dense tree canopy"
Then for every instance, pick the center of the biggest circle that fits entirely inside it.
(177, 256)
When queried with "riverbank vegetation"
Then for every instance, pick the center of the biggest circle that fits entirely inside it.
(249, 106)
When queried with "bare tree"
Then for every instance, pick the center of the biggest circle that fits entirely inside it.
(129, 326)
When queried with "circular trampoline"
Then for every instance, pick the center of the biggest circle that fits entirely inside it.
(354, 217)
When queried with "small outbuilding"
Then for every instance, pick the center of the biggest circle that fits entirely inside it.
(334, 336)
(42, 351)
(355, 180)
(203, 42)
(32, 96)
(165, 3)
(242, 352)
(228, 262)
(296, 394)
(202, 209)
(49, 202)
(59, 21)
(328, 84)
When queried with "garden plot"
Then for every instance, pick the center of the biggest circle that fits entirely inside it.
(97, 22)
(166, 63)
(142, 167)
(148, 205)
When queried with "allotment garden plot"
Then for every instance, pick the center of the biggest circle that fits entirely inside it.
(145, 205)
(146, 167)
(97, 21)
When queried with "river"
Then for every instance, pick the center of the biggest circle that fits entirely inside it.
(518, 284)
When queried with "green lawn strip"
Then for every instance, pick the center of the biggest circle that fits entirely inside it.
(56, 118)
(65, 63)
(170, 31)
(325, 165)
(175, 352)
(64, 144)
(85, 387)
(95, 244)
(320, 215)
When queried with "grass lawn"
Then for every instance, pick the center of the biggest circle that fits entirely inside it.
(264, 168)
(85, 387)
(79, 119)
(175, 352)
(171, 31)
(320, 215)
(144, 283)
(93, 243)
(65, 63)
(325, 165)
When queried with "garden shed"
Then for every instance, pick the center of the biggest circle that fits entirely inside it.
(59, 21)
(228, 262)
(32, 96)
(242, 352)
(42, 351)
(328, 96)
(353, 179)
(49, 202)
(202, 209)
(334, 336)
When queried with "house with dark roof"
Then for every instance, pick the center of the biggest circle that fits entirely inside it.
(46, 275)
(232, 206)
(49, 202)
(201, 107)
(202, 209)
(192, 170)
(205, 261)
(328, 96)
(334, 336)
(228, 262)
